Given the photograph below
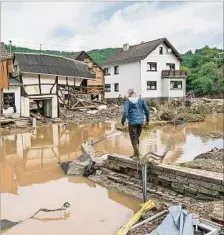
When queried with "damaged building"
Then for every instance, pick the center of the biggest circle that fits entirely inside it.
(9, 87)
(95, 87)
(48, 82)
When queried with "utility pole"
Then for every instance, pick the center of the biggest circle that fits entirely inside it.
(40, 48)
(10, 47)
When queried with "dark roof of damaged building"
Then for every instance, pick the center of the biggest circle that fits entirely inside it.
(3, 52)
(75, 55)
(81, 55)
(51, 65)
(138, 52)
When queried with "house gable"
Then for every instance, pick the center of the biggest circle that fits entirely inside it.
(138, 52)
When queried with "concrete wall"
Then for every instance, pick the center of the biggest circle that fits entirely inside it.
(51, 103)
(161, 61)
(128, 77)
(10, 111)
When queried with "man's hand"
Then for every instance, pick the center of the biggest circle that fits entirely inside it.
(147, 123)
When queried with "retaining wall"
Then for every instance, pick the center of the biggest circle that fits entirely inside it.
(191, 182)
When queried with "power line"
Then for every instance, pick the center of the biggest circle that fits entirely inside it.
(52, 45)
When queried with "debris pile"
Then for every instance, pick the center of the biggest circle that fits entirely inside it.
(189, 110)
(209, 161)
(91, 112)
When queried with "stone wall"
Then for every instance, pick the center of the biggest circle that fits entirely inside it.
(201, 184)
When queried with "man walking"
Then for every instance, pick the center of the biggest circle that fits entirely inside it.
(134, 110)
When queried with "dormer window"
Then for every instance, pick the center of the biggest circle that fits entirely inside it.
(161, 50)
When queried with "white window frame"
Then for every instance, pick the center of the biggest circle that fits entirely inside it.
(116, 70)
(161, 50)
(107, 89)
(179, 87)
(116, 90)
(107, 71)
(151, 65)
(170, 66)
(149, 87)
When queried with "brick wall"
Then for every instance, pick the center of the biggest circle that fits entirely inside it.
(191, 182)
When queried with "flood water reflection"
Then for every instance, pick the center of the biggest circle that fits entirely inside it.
(31, 178)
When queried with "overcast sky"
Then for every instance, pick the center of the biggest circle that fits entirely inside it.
(74, 26)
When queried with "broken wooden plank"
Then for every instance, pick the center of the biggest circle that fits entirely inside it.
(145, 207)
(149, 219)
(87, 107)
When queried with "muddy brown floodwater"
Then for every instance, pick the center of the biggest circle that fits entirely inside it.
(31, 178)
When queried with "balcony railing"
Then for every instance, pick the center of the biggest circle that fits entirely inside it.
(173, 74)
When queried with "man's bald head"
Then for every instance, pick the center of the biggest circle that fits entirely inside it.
(131, 92)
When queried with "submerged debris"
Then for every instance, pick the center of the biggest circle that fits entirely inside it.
(4, 223)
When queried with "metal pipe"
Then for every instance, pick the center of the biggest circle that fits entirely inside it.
(144, 182)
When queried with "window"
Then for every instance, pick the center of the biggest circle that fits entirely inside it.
(116, 87)
(107, 71)
(176, 85)
(171, 66)
(151, 85)
(151, 66)
(161, 50)
(9, 100)
(116, 69)
(107, 88)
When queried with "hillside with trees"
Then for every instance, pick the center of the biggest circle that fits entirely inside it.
(205, 67)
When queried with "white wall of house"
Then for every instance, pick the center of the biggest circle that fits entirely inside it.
(136, 75)
(10, 110)
(29, 79)
(128, 77)
(146, 75)
(25, 105)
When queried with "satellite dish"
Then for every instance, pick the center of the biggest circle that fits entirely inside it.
(169, 50)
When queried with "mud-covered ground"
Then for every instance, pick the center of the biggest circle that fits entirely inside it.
(209, 161)
(163, 198)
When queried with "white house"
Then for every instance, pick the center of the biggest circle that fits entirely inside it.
(151, 68)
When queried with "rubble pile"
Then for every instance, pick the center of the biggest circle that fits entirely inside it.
(190, 110)
(209, 161)
(100, 114)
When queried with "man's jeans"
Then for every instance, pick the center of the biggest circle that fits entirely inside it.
(135, 132)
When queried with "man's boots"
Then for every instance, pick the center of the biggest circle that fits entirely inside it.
(136, 152)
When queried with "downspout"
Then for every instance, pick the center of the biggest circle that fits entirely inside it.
(140, 79)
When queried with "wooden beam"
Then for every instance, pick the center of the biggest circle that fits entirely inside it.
(56, 82)
(39, 83)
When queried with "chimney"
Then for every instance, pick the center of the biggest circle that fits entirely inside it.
(125, 47)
